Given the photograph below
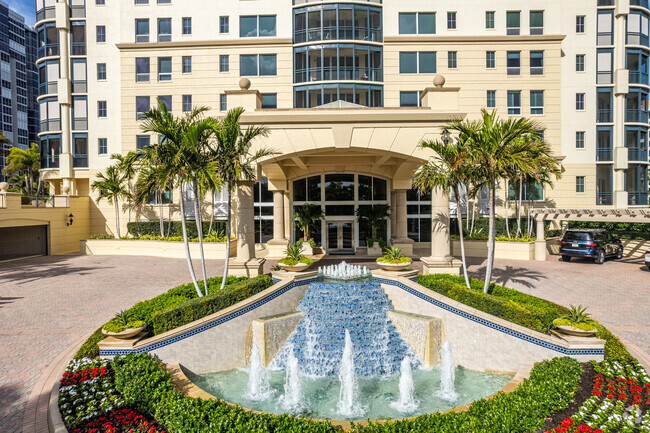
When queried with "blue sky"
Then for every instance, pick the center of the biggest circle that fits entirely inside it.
(26, 8)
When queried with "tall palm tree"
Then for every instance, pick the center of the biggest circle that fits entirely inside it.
(174, 160)
(448, 169)
(498, 152)
(27, 161)
(235, 160)
(151, 181)
(306, 216)
(126, 165)
(111, 187)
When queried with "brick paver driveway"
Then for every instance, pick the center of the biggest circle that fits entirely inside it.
(47, 303)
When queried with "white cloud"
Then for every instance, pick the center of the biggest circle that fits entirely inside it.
(26, 8)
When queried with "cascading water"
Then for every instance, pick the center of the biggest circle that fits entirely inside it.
(447, 374)
(292, 400)
(407, 402)
(258, 378)
(348, 405)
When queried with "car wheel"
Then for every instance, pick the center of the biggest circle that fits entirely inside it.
(566, 258)
(600, 258)
(619, 253)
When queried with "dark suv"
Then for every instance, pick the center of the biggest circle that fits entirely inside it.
(597, 244)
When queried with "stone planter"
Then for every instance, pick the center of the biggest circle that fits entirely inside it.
(127, 333)
(374, 251)
(576, 332)
(298, 267)
(394, 267)
(306, 249)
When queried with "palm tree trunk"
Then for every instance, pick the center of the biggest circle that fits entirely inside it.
(491, 236)
(462, 242)
(505, 205)
(187, 244)
(130, 195)
(169, 216)
(471, 230)
(199, 228)
(117, 219)
(228, 229)
(160, 213)
(519, 204)
(212, 214)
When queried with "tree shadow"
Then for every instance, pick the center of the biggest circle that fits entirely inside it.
(509, 275)
(11, 417)
(34, 269)
(4, 300)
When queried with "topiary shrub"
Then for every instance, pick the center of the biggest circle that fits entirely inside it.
(152, 228)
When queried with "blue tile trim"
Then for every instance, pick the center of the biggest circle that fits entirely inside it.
(209, 325)
(484, 322)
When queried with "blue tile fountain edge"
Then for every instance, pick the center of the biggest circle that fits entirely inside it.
(489, 324)
(209, 325)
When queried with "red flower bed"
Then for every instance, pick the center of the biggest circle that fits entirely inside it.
(568, 426)
(120, 421)
(622, 389)
(81, 376)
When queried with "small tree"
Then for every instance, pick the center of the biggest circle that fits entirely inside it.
(373, 216)
(126, 166)
(111, 187)
(25, 161)
(306, 216)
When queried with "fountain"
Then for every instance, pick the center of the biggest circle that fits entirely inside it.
(258, 378)
(406, 403)
(344, 272)
(447, 374)
(292, 400)
(347, 405)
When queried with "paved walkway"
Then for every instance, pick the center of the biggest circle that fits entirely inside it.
(47, 303)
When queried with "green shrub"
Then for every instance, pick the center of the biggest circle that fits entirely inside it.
(90, 349)
(152, 228)
(292, 262)
(113, 326)
(614, 349)
(639, 231)
(102, 236)
(194, 309)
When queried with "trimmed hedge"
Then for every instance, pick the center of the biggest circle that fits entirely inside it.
(194, 309)
(90, 349)
(148, 388)
(152, 228)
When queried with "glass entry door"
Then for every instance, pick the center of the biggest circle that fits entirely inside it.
(340, 237)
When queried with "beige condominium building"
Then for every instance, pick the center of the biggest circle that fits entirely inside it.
(348, 90)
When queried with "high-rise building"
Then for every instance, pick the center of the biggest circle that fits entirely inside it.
(348, 90)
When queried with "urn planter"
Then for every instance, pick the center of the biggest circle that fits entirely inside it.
(576, 332)
(394, 266)
(298, 267)
(127, 333)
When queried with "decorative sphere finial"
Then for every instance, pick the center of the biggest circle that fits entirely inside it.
(4, 186)
(245, 83)
(65, 190)
(439, 81)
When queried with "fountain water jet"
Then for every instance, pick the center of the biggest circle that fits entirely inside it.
(347, 405)
(292, 400)
(406, 403)
(447, 374)
(258, 378)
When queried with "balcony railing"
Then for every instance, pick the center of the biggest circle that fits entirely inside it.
(51, 125)
(604, 116)
(50, 161)
(605, 2)
(77, 11)
(80, 161)
(339, 73)
(642, 3)
(604, 199)
(48, 50)
(50, 88)
(636, 154)
(637, 198)
(46, 13)
(79, 86)
(639, 77)
(634, 38)
(78, 48)
(637, 116)
(80, 124)
(604, 154)
(331, 33)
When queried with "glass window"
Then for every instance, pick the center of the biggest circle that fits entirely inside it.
(313, 188)
(580, 101)
(300, 190)
(78, 38)
(530, 190)
(166, 101)
(489, 19)
(187, 103)
(605, 27)
(79, 113)
(248, 65)
(223, 102)
(514, 102)
(143, 141)
(491, 99)
(407, 23)
(224, 63)
(452, 59)
(102, 110)
(537, 63)
(451, 20)
(187, 64)
(142, 30)
(142, 69)
(536, 22)
(580, 184)
(80, 143)
(426, 23)
(490, 59)
(364, 188)
(580, 62)
(142, 105)
(248, 27)
(101, 34)
(379, 189)
(102, 146)
(409, 99)
(164, 29)
(514, 62)
(268, 64)
(580, 24)
(537, 102)
(580, 139)
(224, 25)
(187, 26)
(164, 68)
(267, 26)
(408, 63)
(427, 62)
(269, 100)
(513, 22)
(339, 187)
(101, 71)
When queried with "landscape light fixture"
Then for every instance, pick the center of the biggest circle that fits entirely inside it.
(446, 136)
(70, 217)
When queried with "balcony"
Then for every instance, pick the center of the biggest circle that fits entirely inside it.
(634, 38)
(50, 161)
(78, 48)
(49, 88)
(636, 116)
(642, 3)
(604, 116)
(79, 86)
(80, 124)
(637, 154)
(604, 154)
(341, 74)
(637, 77)
(50, 125)
(604, 199)
(80, 161)
(77, 11)
(637, 198)
(48, 13)
(48, 50)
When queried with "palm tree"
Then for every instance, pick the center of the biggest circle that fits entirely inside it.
(111, 187)
(498, 152)
(151, 180)
(27, 161)
(372, 216)
(173, 159)
(235, 162)
(126, 165)
(448, 169)
(306, 216)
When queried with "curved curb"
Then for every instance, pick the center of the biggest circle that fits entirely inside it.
(184, 385)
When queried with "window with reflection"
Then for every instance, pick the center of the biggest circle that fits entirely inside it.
(339, 187)
(337, 22)
(333, 62)
(316, 95)
(418, 212)
(263, 207)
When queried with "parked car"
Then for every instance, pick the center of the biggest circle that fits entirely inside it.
(597, 244)
(647, 259)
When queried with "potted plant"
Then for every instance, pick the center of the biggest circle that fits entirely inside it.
(304, 218)
(394, 260)
(577, 323)
(372, 217)
(295, 261)
(375, 246)
(122, 326)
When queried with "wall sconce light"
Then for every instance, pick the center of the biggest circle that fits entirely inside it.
(446, 136)
(70, 218)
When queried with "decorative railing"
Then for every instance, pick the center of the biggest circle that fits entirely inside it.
(637, 198)
(637, 77)
(80, 161)
(47, 13)
(637, 116)
(604, 116)
(338, 73)
(637, 154)
(604, 154)
(604, 199)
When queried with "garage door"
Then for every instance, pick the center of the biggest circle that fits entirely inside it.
(17, 242)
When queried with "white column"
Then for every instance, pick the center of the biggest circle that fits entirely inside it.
(64, 98)
(540, 241)
(245, 221)
(278, 215)
(621, 88)
(400, 237)
(440, 261)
